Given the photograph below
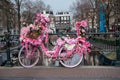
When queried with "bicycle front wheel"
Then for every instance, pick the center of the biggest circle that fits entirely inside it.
(28, 57)
(71, 61)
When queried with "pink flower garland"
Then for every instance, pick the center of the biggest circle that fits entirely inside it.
(85, 44)
(83, 23)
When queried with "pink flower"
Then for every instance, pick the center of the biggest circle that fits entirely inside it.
(78, 24)
(87, 44)
(47, 19)
(82, 39)
(89, 50)
(60, 42)
(83, 23)
(38, 14)
(83, 30)
(36, 20)
(24, 31)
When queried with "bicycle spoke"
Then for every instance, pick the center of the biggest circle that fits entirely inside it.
(71, 61)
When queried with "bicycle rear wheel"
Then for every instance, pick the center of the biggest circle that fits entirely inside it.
(28, 58)
(72, 61)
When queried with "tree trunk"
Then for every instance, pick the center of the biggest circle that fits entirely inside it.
(93, 24)
(19, 23)
(107, 22)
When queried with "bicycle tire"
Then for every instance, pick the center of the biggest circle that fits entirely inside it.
(22, 54)
(72, 64)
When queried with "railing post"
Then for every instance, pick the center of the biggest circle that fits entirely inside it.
(7, 39)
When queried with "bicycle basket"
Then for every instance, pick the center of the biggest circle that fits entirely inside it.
(33, 34)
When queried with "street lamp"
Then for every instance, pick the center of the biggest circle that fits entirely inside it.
(7, 38)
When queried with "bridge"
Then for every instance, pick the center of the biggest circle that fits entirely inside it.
(83, 72)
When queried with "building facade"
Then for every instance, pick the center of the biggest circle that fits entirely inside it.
(62, 22)
(116, 25)
(92, 20)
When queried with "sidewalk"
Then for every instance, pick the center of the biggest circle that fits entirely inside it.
(81, 72)
(57, 79)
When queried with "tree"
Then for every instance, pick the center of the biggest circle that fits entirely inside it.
(27, 9)
(18, 4)
(8, 12)
(80, 8)
(48, 7)
(84, 10)
(107, 7)
(31, 8)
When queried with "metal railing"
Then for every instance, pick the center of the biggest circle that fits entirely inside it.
(102, 42)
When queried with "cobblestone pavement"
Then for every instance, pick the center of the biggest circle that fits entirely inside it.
(54, 73)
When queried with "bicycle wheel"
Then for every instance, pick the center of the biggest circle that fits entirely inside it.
(28, 58)
(72, 61)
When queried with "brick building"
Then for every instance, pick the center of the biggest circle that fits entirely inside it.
(62, 22)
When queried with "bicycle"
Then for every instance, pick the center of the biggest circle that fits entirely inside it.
(68, 51)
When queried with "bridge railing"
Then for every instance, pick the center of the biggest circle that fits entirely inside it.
(103, 42)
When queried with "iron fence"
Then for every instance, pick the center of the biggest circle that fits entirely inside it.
(104, 43)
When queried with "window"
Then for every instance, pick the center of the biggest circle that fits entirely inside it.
(47, 12)
(57, 18)
(62, 18)
(68, 18)
(60, 12)
(65, 18)
(51, 12)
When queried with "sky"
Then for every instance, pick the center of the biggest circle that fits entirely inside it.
(59, 5)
